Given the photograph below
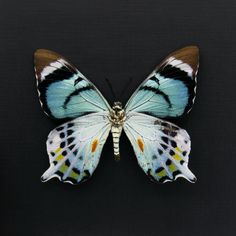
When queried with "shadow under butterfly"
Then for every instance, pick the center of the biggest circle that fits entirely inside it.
(74, 148)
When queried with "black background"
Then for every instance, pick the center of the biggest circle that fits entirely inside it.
(118, 40)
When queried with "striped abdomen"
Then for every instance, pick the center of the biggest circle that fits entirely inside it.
(116, 132)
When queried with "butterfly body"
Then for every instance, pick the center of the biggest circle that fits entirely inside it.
(117, 118)
(74, 148)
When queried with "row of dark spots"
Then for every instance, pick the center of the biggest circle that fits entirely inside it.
(172, 142)
(68, 133)
(172, 153)
(59, 173)
(169, 162)
(75, 181)
(168, 125)
(69, 141)
(69, 125)
(161, 180)
(164, 178)
(169, 141)
(71, 147)
(170, 132)
(59, 128)
(174, 174)
(64, 153)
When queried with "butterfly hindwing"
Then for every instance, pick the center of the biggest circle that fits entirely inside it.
(161, 147)
(63, 91)
(74, 148)
(169, 91)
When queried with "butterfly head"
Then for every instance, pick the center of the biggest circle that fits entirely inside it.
(117, 115)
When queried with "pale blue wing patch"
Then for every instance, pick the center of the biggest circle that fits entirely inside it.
(63, 91)
(162, 148)
(169, 91)
(74, 148)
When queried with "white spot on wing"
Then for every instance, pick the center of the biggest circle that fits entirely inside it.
(51, 68)
(181, 65)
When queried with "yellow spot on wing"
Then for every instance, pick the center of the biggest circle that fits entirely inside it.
(94, 145)
(178, 149)
(162, 173)
(172, 167)
(59, 158)
(58, 150)
(74, 175)
(140, 144)
(177, 157)
(63, 168)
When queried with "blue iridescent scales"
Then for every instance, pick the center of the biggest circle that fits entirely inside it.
(74, 148)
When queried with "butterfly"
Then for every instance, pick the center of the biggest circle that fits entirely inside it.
(74, 148)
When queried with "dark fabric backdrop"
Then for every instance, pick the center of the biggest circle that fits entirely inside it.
(118, 40)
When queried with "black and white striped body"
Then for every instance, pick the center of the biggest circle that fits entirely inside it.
(117, 118)
(116, 132)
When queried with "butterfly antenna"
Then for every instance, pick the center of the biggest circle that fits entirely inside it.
(127, 85)
(111, 88)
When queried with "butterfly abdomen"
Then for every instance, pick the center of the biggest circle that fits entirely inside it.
(116, 132)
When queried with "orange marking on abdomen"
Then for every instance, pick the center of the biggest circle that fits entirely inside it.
(94, 145)
(140, 144)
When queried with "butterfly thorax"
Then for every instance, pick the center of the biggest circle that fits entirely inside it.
(117, 114)
(117, 118)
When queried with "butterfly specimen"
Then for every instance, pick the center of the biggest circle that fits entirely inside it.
(74, 148)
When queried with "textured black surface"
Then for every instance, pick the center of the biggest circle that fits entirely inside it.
(118, 40)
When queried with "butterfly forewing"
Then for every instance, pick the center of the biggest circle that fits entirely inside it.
(63, 91)
(169, 91)
(74, 148)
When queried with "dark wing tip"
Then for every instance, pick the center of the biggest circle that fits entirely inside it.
(191, 47)
(42, 58)
(188, 54)
(41, 54)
